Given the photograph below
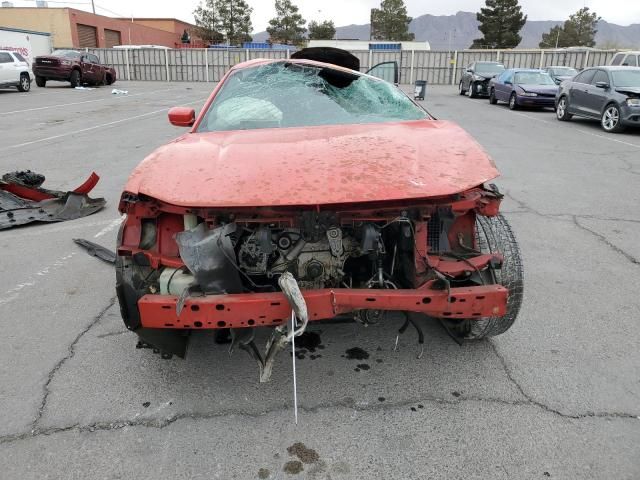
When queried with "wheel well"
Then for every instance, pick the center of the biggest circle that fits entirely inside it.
(25, 73)
(612, 102)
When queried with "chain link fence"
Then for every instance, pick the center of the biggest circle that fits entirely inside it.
(436, 67)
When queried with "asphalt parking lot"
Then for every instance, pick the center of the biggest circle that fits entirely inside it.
(557, 396)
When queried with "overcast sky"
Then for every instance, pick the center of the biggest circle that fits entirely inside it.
(345, 12)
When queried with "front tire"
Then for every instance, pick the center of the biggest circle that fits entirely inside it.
(461, 89)
(513, 101)
(610, 119)
(25, 83)
(492, 97)
(75, 78)
(41, 81)
(495, 236)
(472, 90)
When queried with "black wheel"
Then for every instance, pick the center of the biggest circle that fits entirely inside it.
(610, 120)
(461, 89)
(75, 78)
(472, 90)
(562, 109)
(108, 79)
(513, 101)
(41, 81)
(495, 236)
(492, 97)
(25, 83)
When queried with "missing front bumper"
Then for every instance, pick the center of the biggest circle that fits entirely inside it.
(271, 309)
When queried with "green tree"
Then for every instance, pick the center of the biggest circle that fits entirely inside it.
(390, 21)
(288, 25)
(578, 31)
(207, 22)
(234, 20)
(500, 24)
(321, 31)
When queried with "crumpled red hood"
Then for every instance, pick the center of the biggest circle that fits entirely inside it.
(322, 165)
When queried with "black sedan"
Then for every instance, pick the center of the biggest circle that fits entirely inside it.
(475, 79)
(609, 94)
(560, 74)
(521, 87)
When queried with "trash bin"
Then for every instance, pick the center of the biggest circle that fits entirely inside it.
(420, 89)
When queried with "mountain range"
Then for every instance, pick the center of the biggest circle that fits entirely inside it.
(458, 31)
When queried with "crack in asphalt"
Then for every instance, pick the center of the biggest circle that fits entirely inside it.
(606, 241)
(160, 423)
(532, 401)
(71, 351)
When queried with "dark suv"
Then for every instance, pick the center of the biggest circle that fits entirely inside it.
(72, 66)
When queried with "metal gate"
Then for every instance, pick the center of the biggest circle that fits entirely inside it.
(111, 38)
(87, 36)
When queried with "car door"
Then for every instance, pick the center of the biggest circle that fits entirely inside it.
(503, 86)
(468, 74)
(7, 72)
(386, 71)
(596, 96)
(87, 68)
(98, 69)
(578, 92)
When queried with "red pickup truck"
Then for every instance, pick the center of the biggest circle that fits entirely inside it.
(72, 66)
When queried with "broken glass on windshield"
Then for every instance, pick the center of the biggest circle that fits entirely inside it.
(286, 94)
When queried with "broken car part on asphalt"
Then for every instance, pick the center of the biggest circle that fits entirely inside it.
(96, 250)
(23, 200)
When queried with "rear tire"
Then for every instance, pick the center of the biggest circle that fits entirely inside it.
(495, 236)
(41, 82)
(610, 120)
(562, 110)
(75, 78)
(492, 97)
(25, 83)
(513, 101)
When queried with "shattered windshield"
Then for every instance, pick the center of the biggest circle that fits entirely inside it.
(284, 94)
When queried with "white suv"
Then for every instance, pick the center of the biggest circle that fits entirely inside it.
(627, 59)
(15, 71)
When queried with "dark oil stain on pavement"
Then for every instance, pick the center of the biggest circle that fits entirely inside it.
(309, 341)
(364, 366)
(356, 353)
(263, 473)
(293, 467)
(306, 455)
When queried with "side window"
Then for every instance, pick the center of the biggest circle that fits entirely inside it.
(19, 57)
(5, 58)
(632, 60)
(600, 76)
(94, 59)
(508, 77)
(585, 77)
(617, 60)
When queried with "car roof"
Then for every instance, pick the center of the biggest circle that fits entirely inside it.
(632, 52)
(560, 66)
(517, 70)
(610, 68)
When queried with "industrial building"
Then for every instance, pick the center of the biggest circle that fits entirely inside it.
(74, 28)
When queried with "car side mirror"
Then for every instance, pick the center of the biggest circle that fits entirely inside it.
(508, 82)
(182, 116)
(469, 70)
(604, 85)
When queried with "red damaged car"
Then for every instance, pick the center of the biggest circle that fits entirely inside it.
(305, 191)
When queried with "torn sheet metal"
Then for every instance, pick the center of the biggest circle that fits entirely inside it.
(96, 250)
(23, 200)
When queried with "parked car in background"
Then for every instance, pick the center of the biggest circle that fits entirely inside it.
(560, 74)
(475, 79)
(610, 94)
(626, 59)
(74, 67)
(14, 71)
(521, 87)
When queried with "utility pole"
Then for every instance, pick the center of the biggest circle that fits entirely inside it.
(93, 7)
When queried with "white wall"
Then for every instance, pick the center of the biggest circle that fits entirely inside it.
(364, 44)
(29, 45)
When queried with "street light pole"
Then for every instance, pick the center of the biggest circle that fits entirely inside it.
(93, 7)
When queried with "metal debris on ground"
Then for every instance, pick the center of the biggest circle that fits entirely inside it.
(96, 250)
(23, 200)
(84, 88)
(115, 91)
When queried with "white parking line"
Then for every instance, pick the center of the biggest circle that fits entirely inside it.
(108, 228)
(102, 125)
(85, 101)
(580, 130)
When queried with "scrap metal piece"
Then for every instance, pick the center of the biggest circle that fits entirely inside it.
(96, 250)
(409, 319)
